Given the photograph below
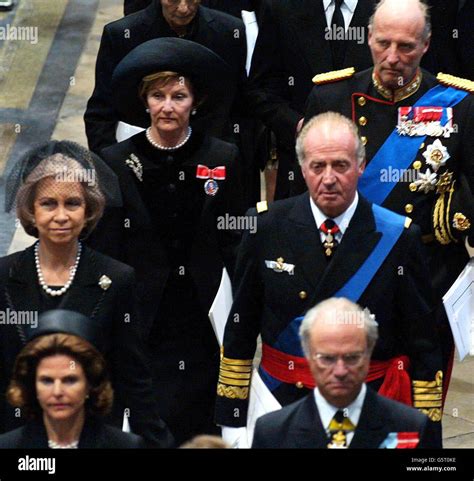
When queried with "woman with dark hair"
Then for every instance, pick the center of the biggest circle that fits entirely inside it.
(181, 198)
(61, 385)
(60, 190)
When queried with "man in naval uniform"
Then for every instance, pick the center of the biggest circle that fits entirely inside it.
(418, 132)
(329, 242)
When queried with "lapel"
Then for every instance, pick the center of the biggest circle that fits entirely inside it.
(357, 244)
(152, 21)
(305, 241)
(34, 436)
(310, 27)
(307, 432)
(372, 427)
(84, 295)
(22, 284)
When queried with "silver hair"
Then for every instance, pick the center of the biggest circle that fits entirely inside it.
(338, 311)
(425, 10)
(329, 120)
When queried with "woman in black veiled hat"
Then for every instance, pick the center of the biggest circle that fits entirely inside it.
(180, 189)
(58, 190)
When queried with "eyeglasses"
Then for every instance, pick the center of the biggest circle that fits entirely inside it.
(175, 3)
(352, 359)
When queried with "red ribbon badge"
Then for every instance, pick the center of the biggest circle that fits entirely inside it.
(427, 114)
(421, 114)
(204, 172)
(408, 440)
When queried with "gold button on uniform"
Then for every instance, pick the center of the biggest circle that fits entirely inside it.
(303, 295)
(363, 121)
(299, 385)
(409, 208)
(413, 187)
(363, 140)
(422, 146)
(417, 165)
(361, 101)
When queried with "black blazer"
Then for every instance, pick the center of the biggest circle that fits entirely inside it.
(298, 425)
(95, 435)
(215, 30)
(113, 309)
(266, 301)
(291, 48)
(128, 233)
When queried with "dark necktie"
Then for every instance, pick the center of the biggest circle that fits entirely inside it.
(329, 227)
(338, 47)
(339, 427)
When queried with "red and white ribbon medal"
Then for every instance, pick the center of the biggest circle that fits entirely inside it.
(211, 175)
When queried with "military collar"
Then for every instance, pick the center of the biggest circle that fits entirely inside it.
(399, 94)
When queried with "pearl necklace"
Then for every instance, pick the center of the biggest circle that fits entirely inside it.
(54, 445)
(162, 147)
(48, 290)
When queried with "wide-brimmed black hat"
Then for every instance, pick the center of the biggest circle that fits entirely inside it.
(67, 322)
(208, 73)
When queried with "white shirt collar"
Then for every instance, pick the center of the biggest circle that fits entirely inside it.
(350, 4)
(342, 220)
(327, 411)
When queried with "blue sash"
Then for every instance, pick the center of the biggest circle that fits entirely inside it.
(370, 184)
(391, 226)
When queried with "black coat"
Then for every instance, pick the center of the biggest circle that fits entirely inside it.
(95, 435)
(266, 302)
(113, 309)
(221, 33)
(169, 231)
(298, 425)
(128, 233)
(291, 48)
(381, 118)
(232, 7)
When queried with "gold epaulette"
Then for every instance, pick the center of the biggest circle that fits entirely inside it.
(457, 82)
(234, 377)
(408, 222)
(262, 206)
(428, 396)
(334, 76)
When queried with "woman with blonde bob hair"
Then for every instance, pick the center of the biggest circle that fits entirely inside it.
(61, 385)
(178, 184)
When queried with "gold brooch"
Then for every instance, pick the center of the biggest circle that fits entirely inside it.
(105, 282)
(444, 182)
(461, 222)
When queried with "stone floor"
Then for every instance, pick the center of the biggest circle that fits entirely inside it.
(68, 25)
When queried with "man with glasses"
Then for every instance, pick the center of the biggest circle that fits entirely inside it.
(338, 338)
(329, 242)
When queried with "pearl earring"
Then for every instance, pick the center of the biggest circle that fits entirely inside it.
(147, 111)
(193, 112)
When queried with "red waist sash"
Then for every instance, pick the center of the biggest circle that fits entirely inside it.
(295, 370)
